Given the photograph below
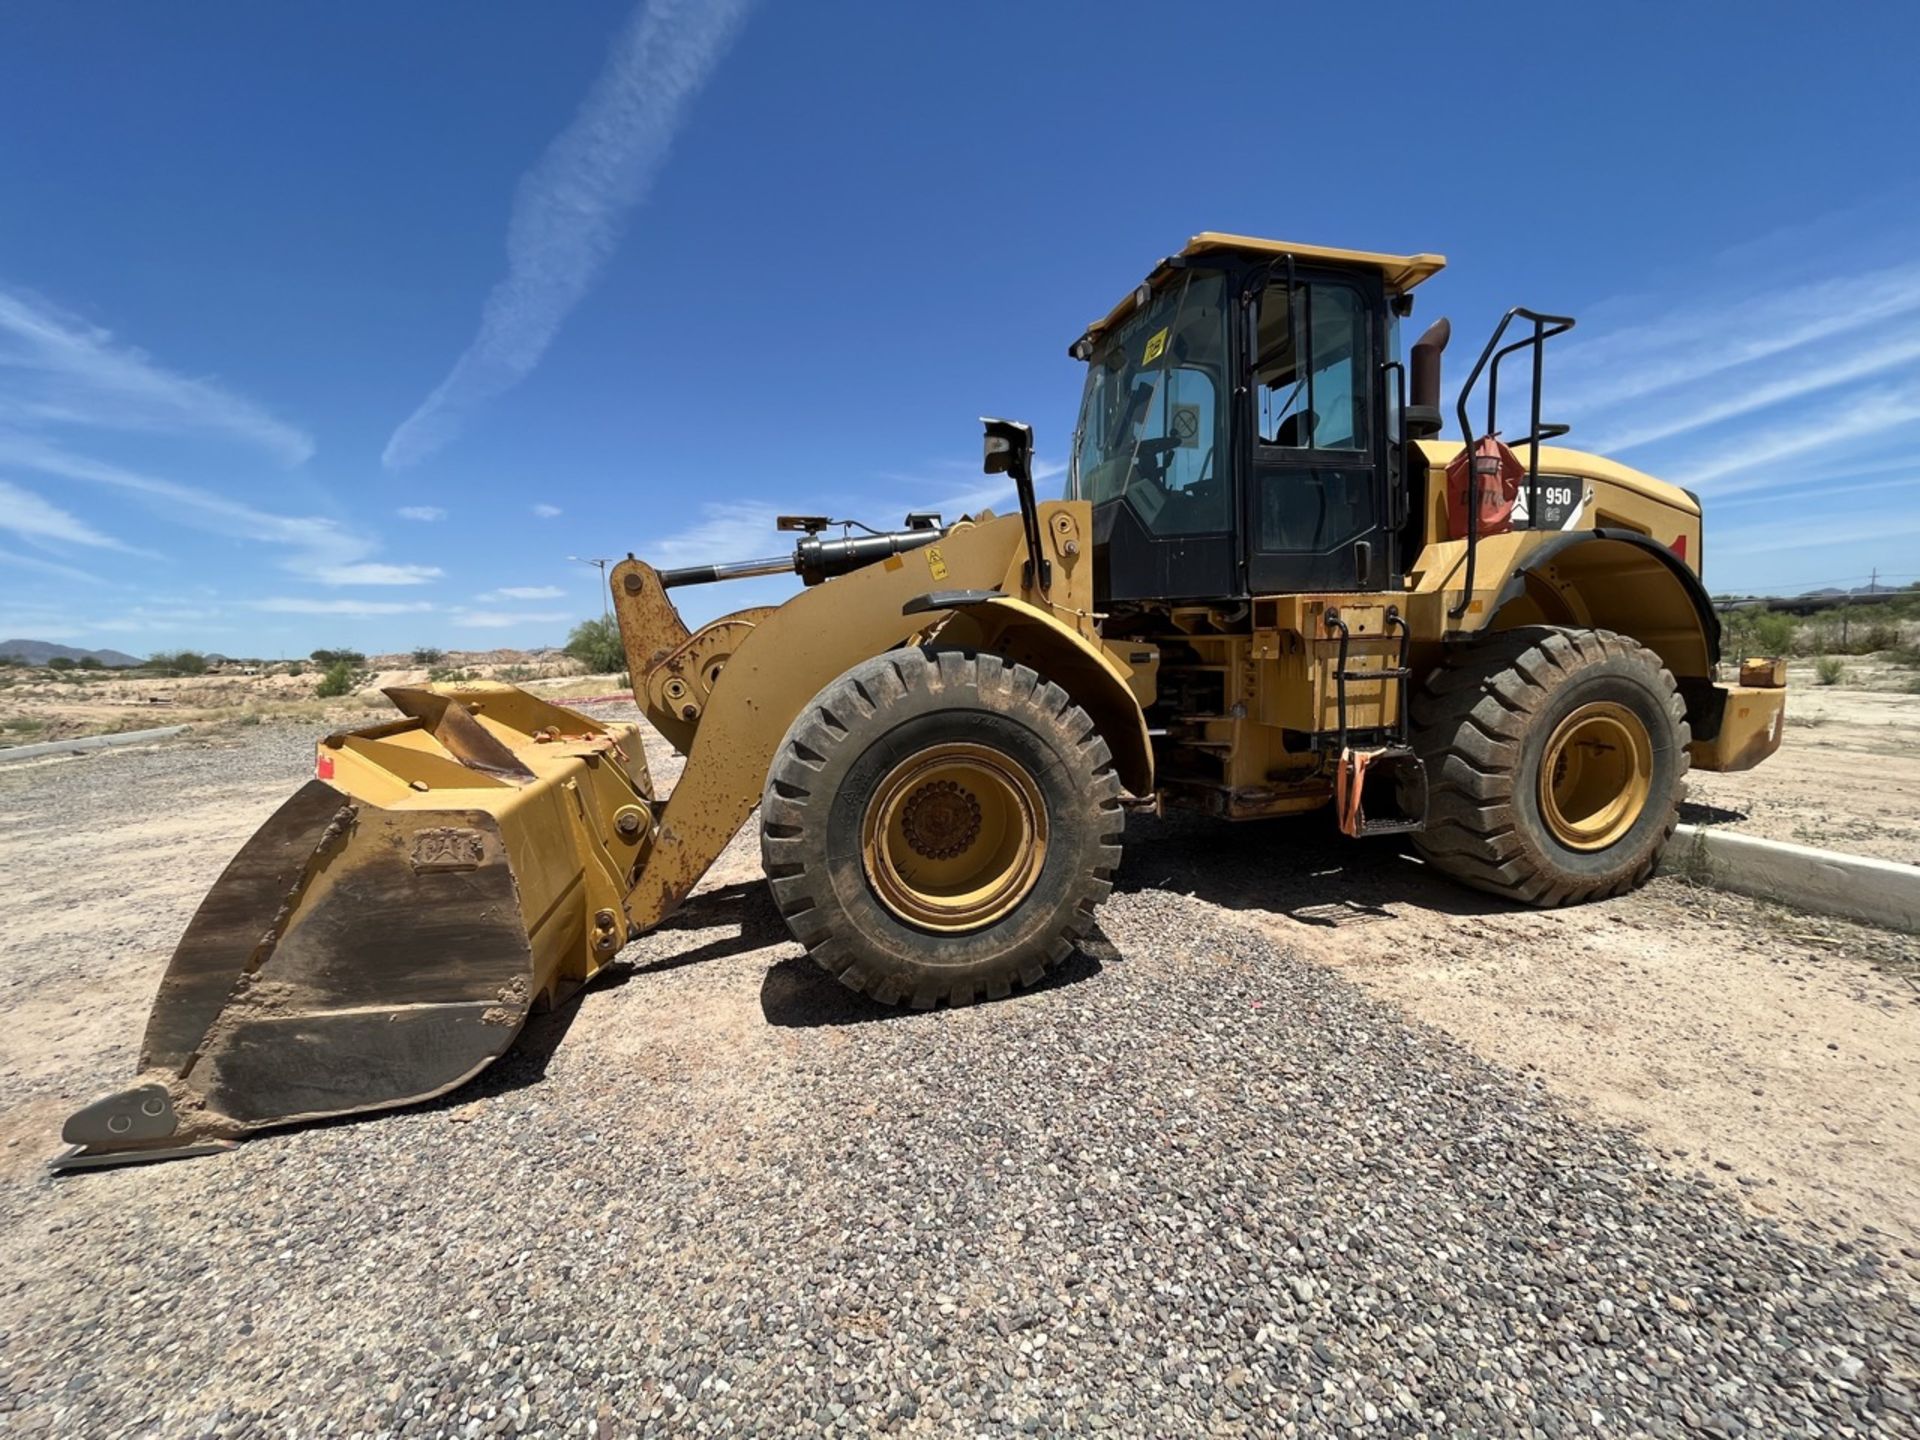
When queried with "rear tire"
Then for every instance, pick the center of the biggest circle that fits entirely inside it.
(939, 825)
(1557, 761)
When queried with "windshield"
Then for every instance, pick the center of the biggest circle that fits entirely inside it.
(1153, 422)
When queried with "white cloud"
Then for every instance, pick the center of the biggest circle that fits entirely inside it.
(1703, 338)
(956, 488)
(421, 512)
(1744, 463)
(569, 208)
(368, 573)
(506, 619)
(1799, 535)
(1755, 395)
(726, 530)
(525, 592)
(547, 512)
(66, 372)
(313, 542)
(32, 518)
(161, 620)
(294, 605)
(48, 567)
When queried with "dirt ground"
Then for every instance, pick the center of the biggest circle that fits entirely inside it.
(40, 705)
(1773, 1053)
(1846, 776)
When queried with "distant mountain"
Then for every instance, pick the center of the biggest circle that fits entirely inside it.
(39, 652)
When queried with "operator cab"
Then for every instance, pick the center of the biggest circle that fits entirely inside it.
(1240, 429)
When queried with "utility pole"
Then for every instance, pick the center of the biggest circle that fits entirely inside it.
(606, 605)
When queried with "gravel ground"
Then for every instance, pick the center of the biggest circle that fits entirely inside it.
(1195, 1186)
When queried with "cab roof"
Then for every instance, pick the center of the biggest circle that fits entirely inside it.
(1398, 272)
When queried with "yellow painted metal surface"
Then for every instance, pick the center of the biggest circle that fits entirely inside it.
(954, 837)
(1099, 677)
(1614, 496)
(725, 695)
(1750, 729)
(1595, 775)
(1398, 272)
(575, 827)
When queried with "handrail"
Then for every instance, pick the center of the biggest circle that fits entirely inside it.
(1545, 327)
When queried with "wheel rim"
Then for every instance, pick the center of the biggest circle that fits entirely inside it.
(954, 837)
(1596, 775)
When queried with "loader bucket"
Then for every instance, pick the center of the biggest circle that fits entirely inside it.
(381, 939)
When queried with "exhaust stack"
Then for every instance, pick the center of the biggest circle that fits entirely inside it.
(1424, 421)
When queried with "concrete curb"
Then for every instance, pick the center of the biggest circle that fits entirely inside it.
(87, 742)
(1855, 887)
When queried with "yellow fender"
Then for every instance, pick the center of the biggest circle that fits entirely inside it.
(1034, 637)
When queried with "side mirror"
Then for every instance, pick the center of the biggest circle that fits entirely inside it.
(1009, 449)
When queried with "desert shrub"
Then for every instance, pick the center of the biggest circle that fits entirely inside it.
(427, 655)
(596, 644)
(178, 662)
(1828, 670)
(1872, 639)
(91, 662)
(1746, 633)
(514, 674)
(449, 675)
(296, 668)
(9, 660)
(330, 658)
(338, 680)
(60, 662)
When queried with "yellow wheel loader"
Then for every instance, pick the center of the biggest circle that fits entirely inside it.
(1272, 587)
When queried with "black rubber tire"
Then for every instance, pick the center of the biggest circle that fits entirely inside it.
(1482, 722)
(843, 744)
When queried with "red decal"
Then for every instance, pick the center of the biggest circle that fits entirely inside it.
(323, 766)
(1679, 547)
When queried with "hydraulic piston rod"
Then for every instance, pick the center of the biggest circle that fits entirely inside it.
(733, 570)
(813, 559)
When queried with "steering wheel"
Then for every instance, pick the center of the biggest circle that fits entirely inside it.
(1156, 453)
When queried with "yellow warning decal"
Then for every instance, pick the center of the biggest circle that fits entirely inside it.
(1156, 346)
(936, 562)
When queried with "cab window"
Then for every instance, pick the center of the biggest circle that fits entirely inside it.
(1311, 388)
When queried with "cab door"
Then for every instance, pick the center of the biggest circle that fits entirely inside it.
(1316, 513)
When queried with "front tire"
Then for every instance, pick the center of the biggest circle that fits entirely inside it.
(939, 825)
(1557, 761)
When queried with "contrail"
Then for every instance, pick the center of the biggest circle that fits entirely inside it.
(568, 209)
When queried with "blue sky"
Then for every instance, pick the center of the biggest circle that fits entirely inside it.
(348, 324)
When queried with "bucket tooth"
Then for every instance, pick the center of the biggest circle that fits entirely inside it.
(132, 1127)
